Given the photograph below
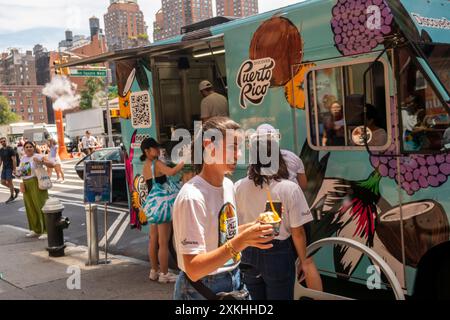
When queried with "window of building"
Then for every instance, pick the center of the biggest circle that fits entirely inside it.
(336, 107)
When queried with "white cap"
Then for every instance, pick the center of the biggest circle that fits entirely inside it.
(266, 129)
(205, 84)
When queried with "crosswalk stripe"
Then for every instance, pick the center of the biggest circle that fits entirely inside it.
(67, 181)
(56, 194)
(75, 201)
(64, 186)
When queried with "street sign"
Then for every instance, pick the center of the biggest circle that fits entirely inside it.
(98, 73)
(98, 182)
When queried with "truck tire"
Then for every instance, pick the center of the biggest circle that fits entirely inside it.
(433, 275)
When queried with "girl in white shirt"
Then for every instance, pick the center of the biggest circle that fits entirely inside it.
(207, 237)
(271, 273)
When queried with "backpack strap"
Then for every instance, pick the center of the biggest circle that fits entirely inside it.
(207, 293)
(153, 172)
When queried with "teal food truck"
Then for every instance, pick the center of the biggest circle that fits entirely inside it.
(358, 88)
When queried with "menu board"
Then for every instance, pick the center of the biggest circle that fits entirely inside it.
(98, 182)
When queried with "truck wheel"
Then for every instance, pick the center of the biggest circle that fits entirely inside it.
(433, 275)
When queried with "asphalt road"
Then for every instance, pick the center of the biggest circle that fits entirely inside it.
(121, 238)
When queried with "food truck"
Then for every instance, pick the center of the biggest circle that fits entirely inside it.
(358, 88)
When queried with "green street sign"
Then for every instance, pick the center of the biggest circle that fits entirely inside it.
(100, 73)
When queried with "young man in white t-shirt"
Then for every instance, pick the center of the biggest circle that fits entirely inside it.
(89, 143)
(207, 237)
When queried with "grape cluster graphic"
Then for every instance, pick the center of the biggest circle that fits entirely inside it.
(360, 25)
(417, 171)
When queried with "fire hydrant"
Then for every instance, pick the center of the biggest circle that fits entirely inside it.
(56, 223)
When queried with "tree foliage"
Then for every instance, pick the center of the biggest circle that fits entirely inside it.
(6, 115)
(91, 87)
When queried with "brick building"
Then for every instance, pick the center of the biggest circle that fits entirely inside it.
(237, 8)
(176, 14)
(27, 102)
(17, 68)
(124, 25)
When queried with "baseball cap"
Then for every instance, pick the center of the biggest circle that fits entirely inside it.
(150, 143)
(266, 130)
(205, 84)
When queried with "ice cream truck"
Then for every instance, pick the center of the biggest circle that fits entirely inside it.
(359, 89)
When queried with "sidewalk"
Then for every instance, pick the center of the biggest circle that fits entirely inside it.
(27, 273)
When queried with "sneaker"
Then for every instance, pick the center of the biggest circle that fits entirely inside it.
(31, 234)
(62, 181)
(154, 275)
(43, 237)
(167, 278)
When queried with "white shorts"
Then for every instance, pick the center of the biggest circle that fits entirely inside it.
(55, 160)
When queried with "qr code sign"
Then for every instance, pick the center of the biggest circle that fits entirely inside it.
(141, 117)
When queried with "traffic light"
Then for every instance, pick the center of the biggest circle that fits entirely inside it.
(58, 71)
(115, 113)
(61, 71)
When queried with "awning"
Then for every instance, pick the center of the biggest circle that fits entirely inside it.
(152, 50)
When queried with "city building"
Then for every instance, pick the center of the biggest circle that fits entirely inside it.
(72, 41)
(17, 68)
(94, 26)
(176, 14)
(158, 26)
(26, 101)
(124, 25)
(236, 8)
(43, 75)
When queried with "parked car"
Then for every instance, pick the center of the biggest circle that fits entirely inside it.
(117, 156)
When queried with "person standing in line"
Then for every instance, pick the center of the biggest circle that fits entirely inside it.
(270, 274)
(88, 142)
(161, 196)
(33, 197)
(8, 159)
(207, 237)
(297, 174)
(294, 164)
(213, 104)
(54, 157)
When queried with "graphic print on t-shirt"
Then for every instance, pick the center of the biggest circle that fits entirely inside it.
(25, 169)
(228, 226)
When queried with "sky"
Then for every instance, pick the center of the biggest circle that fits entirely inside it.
(24, 23)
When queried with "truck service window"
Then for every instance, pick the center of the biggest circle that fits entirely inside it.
(336, 111)
(425, 122)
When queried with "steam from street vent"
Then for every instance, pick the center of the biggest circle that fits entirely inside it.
(63, 93)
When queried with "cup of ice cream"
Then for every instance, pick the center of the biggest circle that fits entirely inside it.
(273, 219)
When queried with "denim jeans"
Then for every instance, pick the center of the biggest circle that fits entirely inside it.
(270, 274)
(223, 282)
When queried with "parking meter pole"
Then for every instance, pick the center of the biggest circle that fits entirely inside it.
(108, 111)
(92, 234)
(106, 236)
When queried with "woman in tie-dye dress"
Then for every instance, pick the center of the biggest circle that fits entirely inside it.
(162, 193)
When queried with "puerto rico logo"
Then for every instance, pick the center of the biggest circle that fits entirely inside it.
(254, 80)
